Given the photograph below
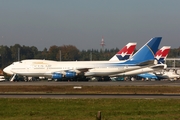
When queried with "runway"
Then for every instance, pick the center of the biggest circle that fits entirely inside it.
(109, 83)
(92, 96)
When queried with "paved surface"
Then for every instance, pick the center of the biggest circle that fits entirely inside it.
(109, 83)
(85, 96)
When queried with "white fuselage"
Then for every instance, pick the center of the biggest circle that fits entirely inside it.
(89, 68)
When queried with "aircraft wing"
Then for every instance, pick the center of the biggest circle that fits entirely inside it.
(78, 70)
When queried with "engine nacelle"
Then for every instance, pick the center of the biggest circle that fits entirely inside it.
(57, 75)
(70, 74)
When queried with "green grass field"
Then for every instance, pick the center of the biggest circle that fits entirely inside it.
(86, 109)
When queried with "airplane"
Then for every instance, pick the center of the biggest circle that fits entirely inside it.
(123, 54)
(159, 56)
(70, 69)
(163, 74)
(170, 75)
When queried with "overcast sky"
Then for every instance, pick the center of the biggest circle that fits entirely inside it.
(43, 23)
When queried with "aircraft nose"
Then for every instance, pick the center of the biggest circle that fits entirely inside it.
(7, 70)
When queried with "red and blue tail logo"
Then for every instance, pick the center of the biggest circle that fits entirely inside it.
(126, 51)
(162, 54)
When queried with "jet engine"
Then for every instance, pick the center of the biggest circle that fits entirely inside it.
(57, 76)
(70, 74)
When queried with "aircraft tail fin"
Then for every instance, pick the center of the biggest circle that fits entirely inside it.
(162, 54)
(125, 53)
(146, 52)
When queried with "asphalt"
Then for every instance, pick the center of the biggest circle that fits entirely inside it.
(109, 83)
(84, 96)
(92, 96)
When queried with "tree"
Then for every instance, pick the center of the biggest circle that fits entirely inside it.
(26, 53)
(69, 52)
(5, 54)
(52, 53)
(14, 52)
(42, 54)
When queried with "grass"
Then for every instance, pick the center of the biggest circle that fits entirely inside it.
(86, 109)
(92, 89)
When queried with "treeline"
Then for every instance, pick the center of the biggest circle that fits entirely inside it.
(63, 53)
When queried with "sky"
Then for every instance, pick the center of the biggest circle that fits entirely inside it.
(82, 23)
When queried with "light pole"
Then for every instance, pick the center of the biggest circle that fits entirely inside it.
(59, 55)
(18, 54)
